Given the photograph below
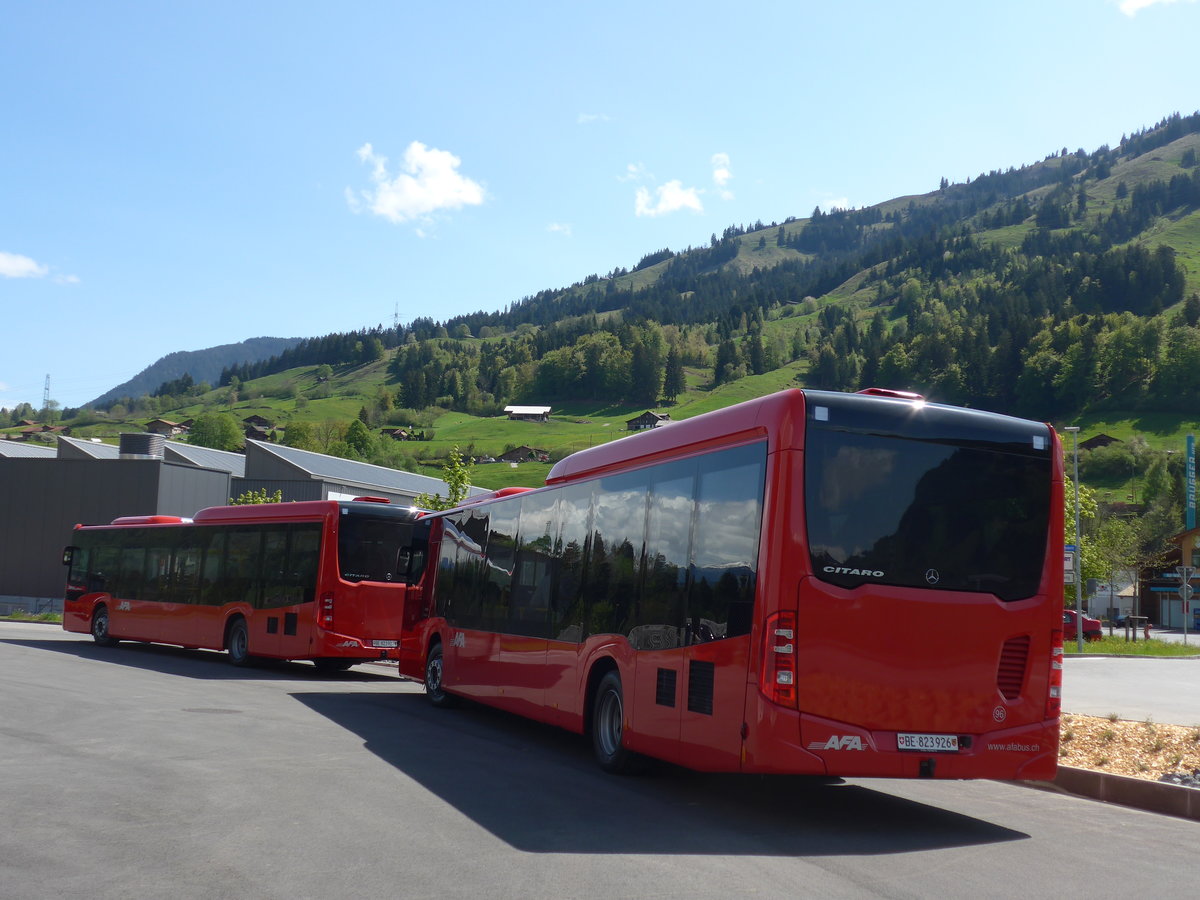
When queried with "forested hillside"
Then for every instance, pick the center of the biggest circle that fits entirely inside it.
(1067, 285)
(192, 368)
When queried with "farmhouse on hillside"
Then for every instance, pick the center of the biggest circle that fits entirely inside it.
(528, 413)
(646, 420)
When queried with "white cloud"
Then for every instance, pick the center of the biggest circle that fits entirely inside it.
(429, 181)
(1132, 7)
(13, 265)
(589, 118)
(671, 197)
(635, 172)
(837, 203)
(722, 174)
(559, 228)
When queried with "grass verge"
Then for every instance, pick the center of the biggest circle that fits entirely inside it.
(1118, 646)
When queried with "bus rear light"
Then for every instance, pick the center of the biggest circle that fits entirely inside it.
(1054, 691)
(777, 678)
(327, 610)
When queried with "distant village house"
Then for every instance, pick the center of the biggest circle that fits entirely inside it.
(528, 413)
(165, 427)
(646, 420)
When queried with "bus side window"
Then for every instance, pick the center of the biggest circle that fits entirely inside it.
(725, 543)
(185, 567)
(501, 559)
(211, 572)
(133, 561)
(242, 566)
(304, 555)
(104, 568)
(618, 544)
(276, 587)
(574, 509)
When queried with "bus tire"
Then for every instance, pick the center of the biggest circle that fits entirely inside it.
(434, 671)
(608, 728)
(238, 643)
(100, 628)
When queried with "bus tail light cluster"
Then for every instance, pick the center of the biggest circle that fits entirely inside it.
(327, 610)
(777, 678)
(1054, 693)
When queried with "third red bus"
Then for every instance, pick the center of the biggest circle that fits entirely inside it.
(327, 581)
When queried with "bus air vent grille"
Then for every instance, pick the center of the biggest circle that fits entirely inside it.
(664, 692)
(700, 687)
(1013, 659)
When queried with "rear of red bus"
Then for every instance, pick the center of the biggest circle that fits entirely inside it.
(372, 557)
(910, 592)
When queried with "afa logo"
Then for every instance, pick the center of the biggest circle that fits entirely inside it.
(839, 742)
(458, 640)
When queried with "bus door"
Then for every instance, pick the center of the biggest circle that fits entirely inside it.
(177, 601)
(128, 614)
(291, 554)
(658, 638)
(720, 605)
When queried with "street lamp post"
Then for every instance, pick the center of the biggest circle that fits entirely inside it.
(1074, 429)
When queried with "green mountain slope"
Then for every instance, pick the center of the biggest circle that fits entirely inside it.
(1064, 288)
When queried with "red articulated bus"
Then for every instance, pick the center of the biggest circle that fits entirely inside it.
(329, 581)
(810, 583)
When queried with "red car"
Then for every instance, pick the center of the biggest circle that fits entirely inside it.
(1091, 627)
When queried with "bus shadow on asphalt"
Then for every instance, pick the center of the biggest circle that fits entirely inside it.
(538, 789)
(209, 665)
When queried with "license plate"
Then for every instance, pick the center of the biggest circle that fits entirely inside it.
(385, 643)
(928, 743)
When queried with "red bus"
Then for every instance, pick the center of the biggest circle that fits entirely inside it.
(329, 581)
(810, 582)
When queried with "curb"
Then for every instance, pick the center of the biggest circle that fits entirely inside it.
(1150, 796)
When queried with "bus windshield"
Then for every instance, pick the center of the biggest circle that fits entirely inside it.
(380, 548)
(917, 512)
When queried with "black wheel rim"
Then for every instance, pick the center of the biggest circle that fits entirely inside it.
(433, 675)
(609, 722)
(237, 642)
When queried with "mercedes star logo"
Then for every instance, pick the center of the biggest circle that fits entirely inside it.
(932, 576)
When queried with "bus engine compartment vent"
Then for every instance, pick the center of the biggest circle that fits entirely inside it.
(664, 691)
(1011, 673)
(700, 687)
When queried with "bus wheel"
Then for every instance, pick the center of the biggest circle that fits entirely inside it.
(100, 628)
(608, 726)
(433, 679)
(239, 643)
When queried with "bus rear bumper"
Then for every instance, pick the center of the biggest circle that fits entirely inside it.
(344, 646)
(780, 741)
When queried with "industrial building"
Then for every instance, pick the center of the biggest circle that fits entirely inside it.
(45, 492)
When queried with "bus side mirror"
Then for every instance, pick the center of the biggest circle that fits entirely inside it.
(69, 555)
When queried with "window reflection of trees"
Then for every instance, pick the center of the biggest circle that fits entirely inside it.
(664, 555)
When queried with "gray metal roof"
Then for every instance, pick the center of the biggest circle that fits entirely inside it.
(332, 468)
(13, 449)
(76, 448)
(205, 457)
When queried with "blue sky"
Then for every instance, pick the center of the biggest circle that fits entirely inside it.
(179, 175)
